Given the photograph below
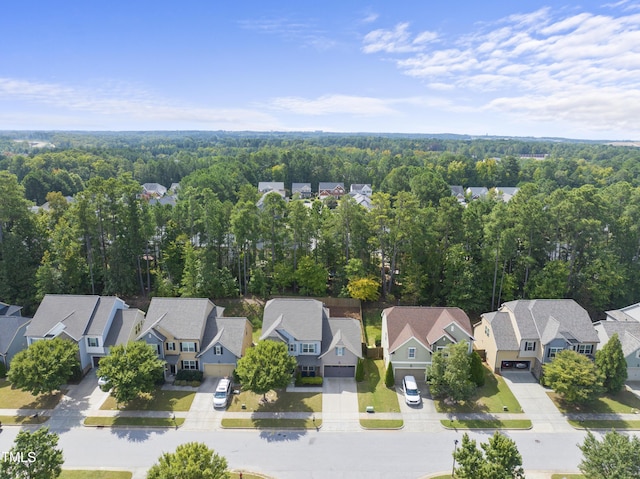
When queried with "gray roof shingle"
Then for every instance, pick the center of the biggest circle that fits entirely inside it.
(342, 331)
(301, 318)
(184, 318)
(73, 311)
(9, 326)
(229, 332)
(123, 326)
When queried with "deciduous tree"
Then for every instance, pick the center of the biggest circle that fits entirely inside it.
(130, 369)
(450, 373)
(33, 456)
(573, 376)
(499, 458)
(266, 366)
(193, 460)
(44, 366)
(616, 456)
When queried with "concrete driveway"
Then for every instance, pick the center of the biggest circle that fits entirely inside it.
(535, 403)
(420, 418)
(340, 405)
(202, 415)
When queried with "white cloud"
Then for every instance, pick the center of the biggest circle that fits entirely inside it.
(121, 102)
(332, 104)
(397, 40)
(580, 67)
(292, 30)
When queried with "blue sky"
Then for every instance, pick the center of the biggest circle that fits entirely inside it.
(522, 68)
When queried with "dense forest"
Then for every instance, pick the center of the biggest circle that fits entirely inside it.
(572, 230)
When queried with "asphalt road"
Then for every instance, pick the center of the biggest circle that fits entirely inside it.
(309, 454)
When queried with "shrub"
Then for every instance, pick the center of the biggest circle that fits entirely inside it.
(360, 371)
(3, 370)
(378, 341)
(389, 380)
(189, 375)
(477, 369)
(309, 381)
(194, 384)
(76, 375)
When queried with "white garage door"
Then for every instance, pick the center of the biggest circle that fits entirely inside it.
(633, 374)
(399, 373)
(218, 370)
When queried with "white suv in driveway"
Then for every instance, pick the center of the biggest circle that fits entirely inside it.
(221, 396)
(410, 389)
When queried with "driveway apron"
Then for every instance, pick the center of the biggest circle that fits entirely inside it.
(535, 403)
(340, 405)
(202, 415)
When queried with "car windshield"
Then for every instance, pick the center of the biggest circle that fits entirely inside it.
(220, 394)
(412, 392)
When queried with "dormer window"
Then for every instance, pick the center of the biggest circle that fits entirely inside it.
(93, 342)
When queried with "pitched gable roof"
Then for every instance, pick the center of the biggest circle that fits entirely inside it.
(502, 328)
(628, 333)
(426, 324)
(69, 313)
(183, 318)
(123, 326)
(301, 318)
(228, 332)
(345, 332)
(9, 327)
(548, 319)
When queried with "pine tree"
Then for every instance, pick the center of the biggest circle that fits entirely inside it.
(611, 363)
(389, 380)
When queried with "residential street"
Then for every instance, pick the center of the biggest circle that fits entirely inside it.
(339, 449)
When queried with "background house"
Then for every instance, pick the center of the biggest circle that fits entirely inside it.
(526, 334)
(12, 332)
(322, 346)
(626, 323)
(85, 319)
(411, 334)
(327, 189)
(303, 190)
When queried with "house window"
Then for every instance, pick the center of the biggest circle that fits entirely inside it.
(307, 371)
(189, 364)
(308, 348)
(584, 348)
(486, 331)
(92, 342)
(189, 347)
(292, 348)
(217, 350)
(340, 351)
(158, 349)
(170, 346)
(529, 345)
(411, 353)
(553, 351)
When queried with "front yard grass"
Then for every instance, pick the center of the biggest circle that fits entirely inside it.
(490, 398)
(80, 474)
(159, 400)
(381, 423)
(23, 420)
(625, 402)
(372, 321)
(486, 423)
(278, 401)
(270, 423)
(13, 398)
(606, 424)
(373, 392)
(110, 421)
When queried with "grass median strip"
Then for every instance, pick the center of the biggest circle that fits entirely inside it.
(271, 423)
(633, 425)
(93, 474)
(111, 421)
(381, 423)
(486, 424)
(23, 420)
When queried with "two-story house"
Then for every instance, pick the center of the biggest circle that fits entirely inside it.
(411, 334)
(12, 328)
(88, 320)
(327, 189)
(302, 190)
(322, 346)
(190, 333)
(525, 334)
(625, 323)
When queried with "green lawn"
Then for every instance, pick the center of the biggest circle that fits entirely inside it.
(373, 392)
(159, 400)
(381, 423)
(490, 398)
(372, 322)
(487, 424)
(80, 474)
(625, 402)
(278, 401)
(271, 423)
(23, 420)
(11, 398)
(133, 421)
(606, 424)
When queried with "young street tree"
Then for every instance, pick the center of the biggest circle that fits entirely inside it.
(193, 460)
(616, 456)
(130, 369)
(44, 366)
(573, 376)
(498, 459)
(265, 367)
(611, 363)
(450, 373)
(33, 456)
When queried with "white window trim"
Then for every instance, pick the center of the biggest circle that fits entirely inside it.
(97, 345)
(529, 345)
(184, 349)
(411, 353)
(339, 350)
(217, 350)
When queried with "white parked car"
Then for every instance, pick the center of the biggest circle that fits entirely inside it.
(410, 389)
(102, 381)
(223, 391)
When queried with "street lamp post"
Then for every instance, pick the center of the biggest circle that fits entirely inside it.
(455, 449)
